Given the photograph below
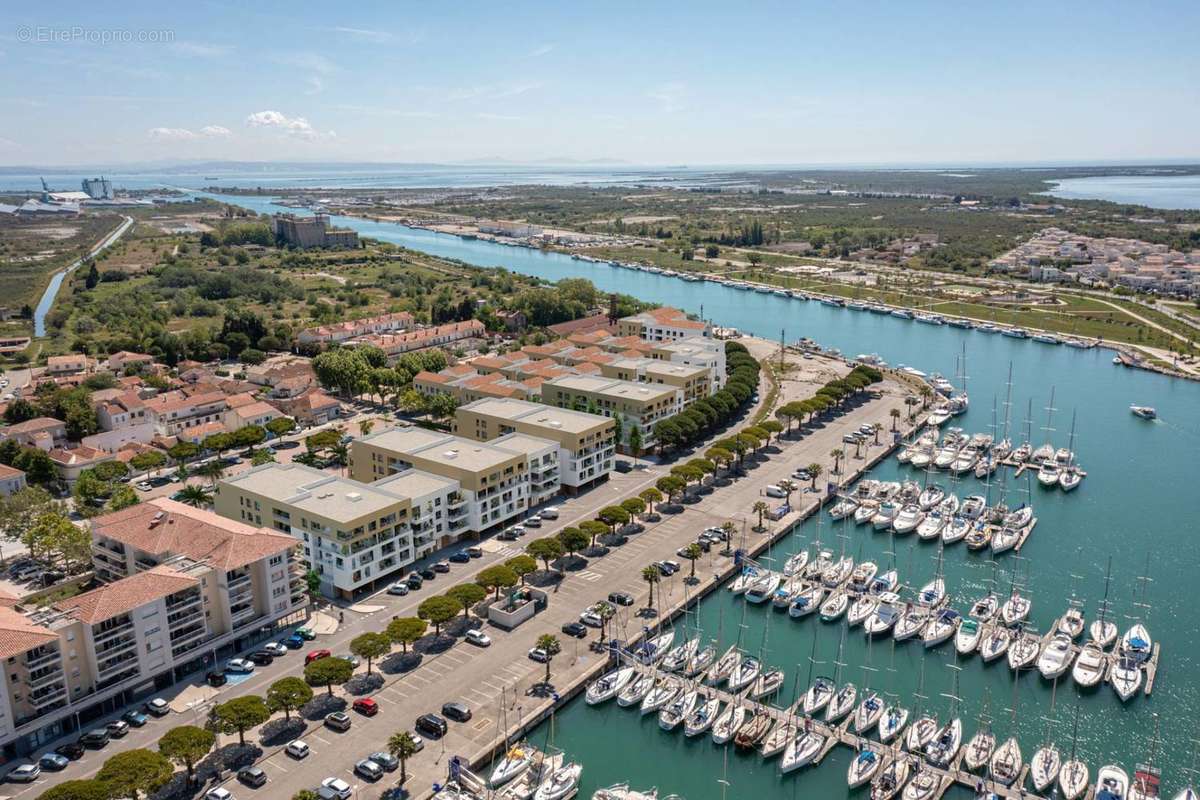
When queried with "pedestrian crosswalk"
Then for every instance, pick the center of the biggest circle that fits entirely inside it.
(588, 575)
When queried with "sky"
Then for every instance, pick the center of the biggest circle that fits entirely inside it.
(649, 82)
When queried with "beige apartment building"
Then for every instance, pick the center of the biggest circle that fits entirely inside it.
(586, 442)
(182, 589)
(661, 325)
(640, 405)
(693, 382)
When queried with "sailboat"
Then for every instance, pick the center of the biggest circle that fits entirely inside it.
(894, 716)
(607, 686)
(870, 707)
(1103, 630)
(925, 727)
(863, 767)
(1006, 763)
(1046, 761)
(702, 717)
(1046, 451)
(891, 780)
(1070, 475)
(980, 747)
(777, 740)
(945, 745)
(842, 701)
(561, 784)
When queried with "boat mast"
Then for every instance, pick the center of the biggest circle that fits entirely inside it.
(1050, 409)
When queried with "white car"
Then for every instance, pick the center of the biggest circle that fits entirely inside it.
(591, 619)
(478, 638)
(26, 773)
(549, 512)
(239, 665)
(774, 491)
(219, 794)
(297, 749)
(399, 588)
(338, 786)
(539, 655)
(158, 707)
(275, 649)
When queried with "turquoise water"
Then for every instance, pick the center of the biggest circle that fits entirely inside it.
(1138, 500)
(1163, 191)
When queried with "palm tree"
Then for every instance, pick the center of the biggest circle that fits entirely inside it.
(692, 553)
(403, 747)
(836, 454)
(550, 644)
(651, 576)
(895, 415)
(876, 429)
(213, 469)
(814, 469)
(788, 487)
(195, 496)
(760, 508)
(365, 426)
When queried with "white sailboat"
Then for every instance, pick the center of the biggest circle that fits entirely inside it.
(1073, 775)
(702, 717)
(606, 686)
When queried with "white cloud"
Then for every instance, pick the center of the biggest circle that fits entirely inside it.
(364, 33)
(215, 130)
(201, 49)
(669, 96)
(171, 134)
(292, 126)
(540, 51)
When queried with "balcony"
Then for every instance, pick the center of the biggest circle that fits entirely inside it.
(108, 634)
(106, 668)
(185, 618)
(42, 657)
(47, 678)
(51, 697)
(237, 581)
(240, 613)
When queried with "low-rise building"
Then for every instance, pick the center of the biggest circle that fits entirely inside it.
(692, 381)
(176, 411)
(40, 432)
(662, 324)
(395, 345)
(12, 480)
(70, 461)
(348, 329)
(310, 407)
(640, 405)
(258, 412)
(70, 364)
(314, 231)
(119, 363)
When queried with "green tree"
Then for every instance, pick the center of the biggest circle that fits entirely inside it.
(573, 539)
(217, 443)
(182, 451)
(328, 672)
(670, 485)
(214, 470)
(593, 528)
(249, 436)
(370, 646)
(406, 630)
(549, 642)
(612, 516)
(122, 497)
(439, 610)
(497, 577)
(652, 576)
(815, 470)
(281, 426)
(521, 566)
(635, 441)
(241, 714)
(651, 495)
(760, 508)
(306, 794)
(468, 595)
(88, 789)
(148, 460)
(288, 694)
(132, 772)
(546, 549)
(402, 747)
(692, 553)
(633, 506)
(895, 415)
(837, 454)
(187, 745)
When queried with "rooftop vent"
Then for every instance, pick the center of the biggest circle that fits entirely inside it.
(354, 497)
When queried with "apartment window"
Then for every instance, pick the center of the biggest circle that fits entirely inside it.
(276, 561)
(154, 630)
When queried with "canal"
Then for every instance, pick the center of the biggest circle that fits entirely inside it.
(1138, 506)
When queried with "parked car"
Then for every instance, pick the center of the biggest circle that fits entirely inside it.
(275, 649)
(539, 655)
(508, 535)
(549, 512)
(338, 721)
(216, 678)
(774, 491)
(432, 725)
(622, 466)
(252, 776)
(576, 629)
(293, 642)
(353, 659)
(456, 711)
(71, 750)
(478, 638)
(297, 749)
(366, 706)
(306, 634)
(95, 738)
(399, 588)
(135, 718)
(53, 762)
(532, 521)
(339, 787)
(428, 574)
(591, 618)
(621, 598)
(157, 707)
(461, 557)
(442, 566)
(415, 581)
(316, 655)
(475, 552)
(239, 665)
(262, 658)
(26, 773)
(117, 728)
(672, 567)
(368, 769)
(386, 760)
(219, 793)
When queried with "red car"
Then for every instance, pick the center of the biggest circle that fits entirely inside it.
(366, 706)
(315, 655)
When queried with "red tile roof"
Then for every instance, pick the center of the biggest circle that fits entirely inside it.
(123, 596)
(18, 634)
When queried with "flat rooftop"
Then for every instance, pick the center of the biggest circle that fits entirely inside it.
(537, 414)
(441, 448)
(314, 491)
(524, 443)
(416, 483)
(611, 387)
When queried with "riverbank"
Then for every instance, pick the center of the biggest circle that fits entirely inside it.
(56, 280)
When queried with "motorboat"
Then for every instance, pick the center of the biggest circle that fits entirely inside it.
(946, 456)
(865, 512)
(885, 615)
(727, 725)
(795, 564)
(842, 703)
(777, 740)
(839, 573)
(861, 609)
(1044, 767)
(750, 734)
(923, 455)
(801, 751)
(966, 639)
(966, 460)
(680, 655)
(1048, 473)
(766, 684)
(920, 733)
(1070, 623)
(817, 696)
(955, 530)
(761, 590)
(1073, 778)
(860, 579)
(868, 712)
(702, 717)
(1023, 652)
(984, 609)
(911, 623)
(885, 515)
(636, 690)
(891, 722)
(891, 780)
(664, 692)
(1145, 412)
(887, 582)
(1006, 763)
(700, 661)
(907, 518)
(744, 674)
(561, 784)
(933, 593)
(1015, 608)
(676, 711)
(836, 605)
(973, 506)
(979, 537)
(1056, 657)
(608, 685)
(1126, 677)
(1089, 666)
(863, 768)
(723, 667)
(931, 496)
(1112, 783)
(941, 627)
(941, 751)
(806, 601)
(653, 649)
(843, 508)
(1022, 453)
(931, 526)
(995, 643)
(514, 763)
(980, 747)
